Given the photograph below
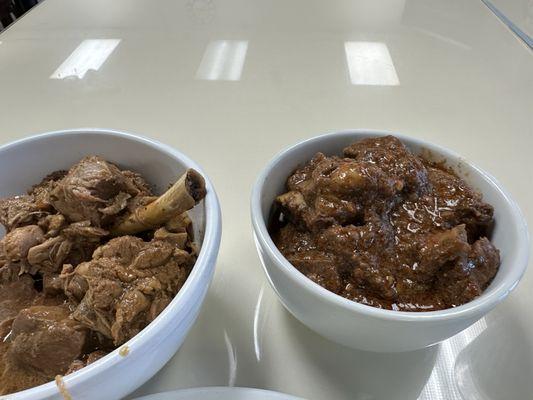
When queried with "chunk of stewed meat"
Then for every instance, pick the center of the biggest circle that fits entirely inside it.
(94, 189)
(122, 288)
(46, 339)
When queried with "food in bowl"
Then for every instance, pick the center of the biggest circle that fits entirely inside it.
(90, 257)
(384, 227)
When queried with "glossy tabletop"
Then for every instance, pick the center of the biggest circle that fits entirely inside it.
(232, 82)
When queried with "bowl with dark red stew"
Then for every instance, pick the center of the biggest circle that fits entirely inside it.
(107, 248)
(384, 242)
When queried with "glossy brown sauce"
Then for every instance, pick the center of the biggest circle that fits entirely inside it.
(386, 228)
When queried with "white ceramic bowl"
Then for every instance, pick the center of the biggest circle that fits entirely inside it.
(220, 393)
(24, 163)
(360, 326)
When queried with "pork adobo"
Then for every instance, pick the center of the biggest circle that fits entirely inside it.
(384, 227)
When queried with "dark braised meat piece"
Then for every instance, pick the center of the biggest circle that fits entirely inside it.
(454, 203)
(390, 155)
(332, 190)
(466, 280)
(302, 251)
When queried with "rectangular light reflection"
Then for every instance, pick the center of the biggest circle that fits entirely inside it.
(223, 60)
(370, 63)
(89, 55)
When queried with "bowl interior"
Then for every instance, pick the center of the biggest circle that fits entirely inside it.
(24, 164)
(509, 234)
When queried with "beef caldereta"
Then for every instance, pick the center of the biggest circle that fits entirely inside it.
(89, 258)
(387, 228)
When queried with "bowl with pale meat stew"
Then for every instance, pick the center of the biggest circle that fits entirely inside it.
(383, 242)
(108, 246)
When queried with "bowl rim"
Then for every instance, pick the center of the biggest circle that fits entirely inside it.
(482, 303)
(210, 247)
(249, 391)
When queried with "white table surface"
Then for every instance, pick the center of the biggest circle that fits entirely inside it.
(463, 81)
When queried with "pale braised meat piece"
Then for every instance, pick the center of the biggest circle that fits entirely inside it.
(88, 359)
(15, 295)
(31, 208)
(18, 242)
(46, 339)
(74, 281)
(94, 189)
(126, 285)
(386, 228)
(20, 210)
(34, 251)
